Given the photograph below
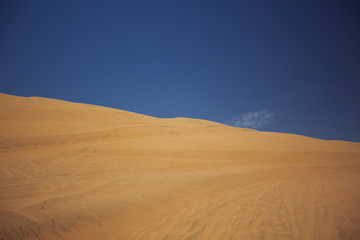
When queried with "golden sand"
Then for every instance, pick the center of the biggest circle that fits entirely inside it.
(78, 171)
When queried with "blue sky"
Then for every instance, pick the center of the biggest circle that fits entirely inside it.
(284, 66)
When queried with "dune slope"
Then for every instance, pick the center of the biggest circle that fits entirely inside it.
(78, 171)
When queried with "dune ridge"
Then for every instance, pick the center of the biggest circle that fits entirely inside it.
(79, 171)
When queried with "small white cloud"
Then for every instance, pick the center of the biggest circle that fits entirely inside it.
(254, 120)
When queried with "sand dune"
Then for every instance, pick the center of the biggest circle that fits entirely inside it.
(78, 171)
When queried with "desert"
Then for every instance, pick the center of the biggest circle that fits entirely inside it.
(79, 171)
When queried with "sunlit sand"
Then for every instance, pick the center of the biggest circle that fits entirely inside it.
(77, 171)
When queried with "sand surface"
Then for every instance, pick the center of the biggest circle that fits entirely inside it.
(77, 171)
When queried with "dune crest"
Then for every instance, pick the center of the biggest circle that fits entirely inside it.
(79, 171)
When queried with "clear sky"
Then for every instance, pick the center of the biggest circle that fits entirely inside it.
(284, 66)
